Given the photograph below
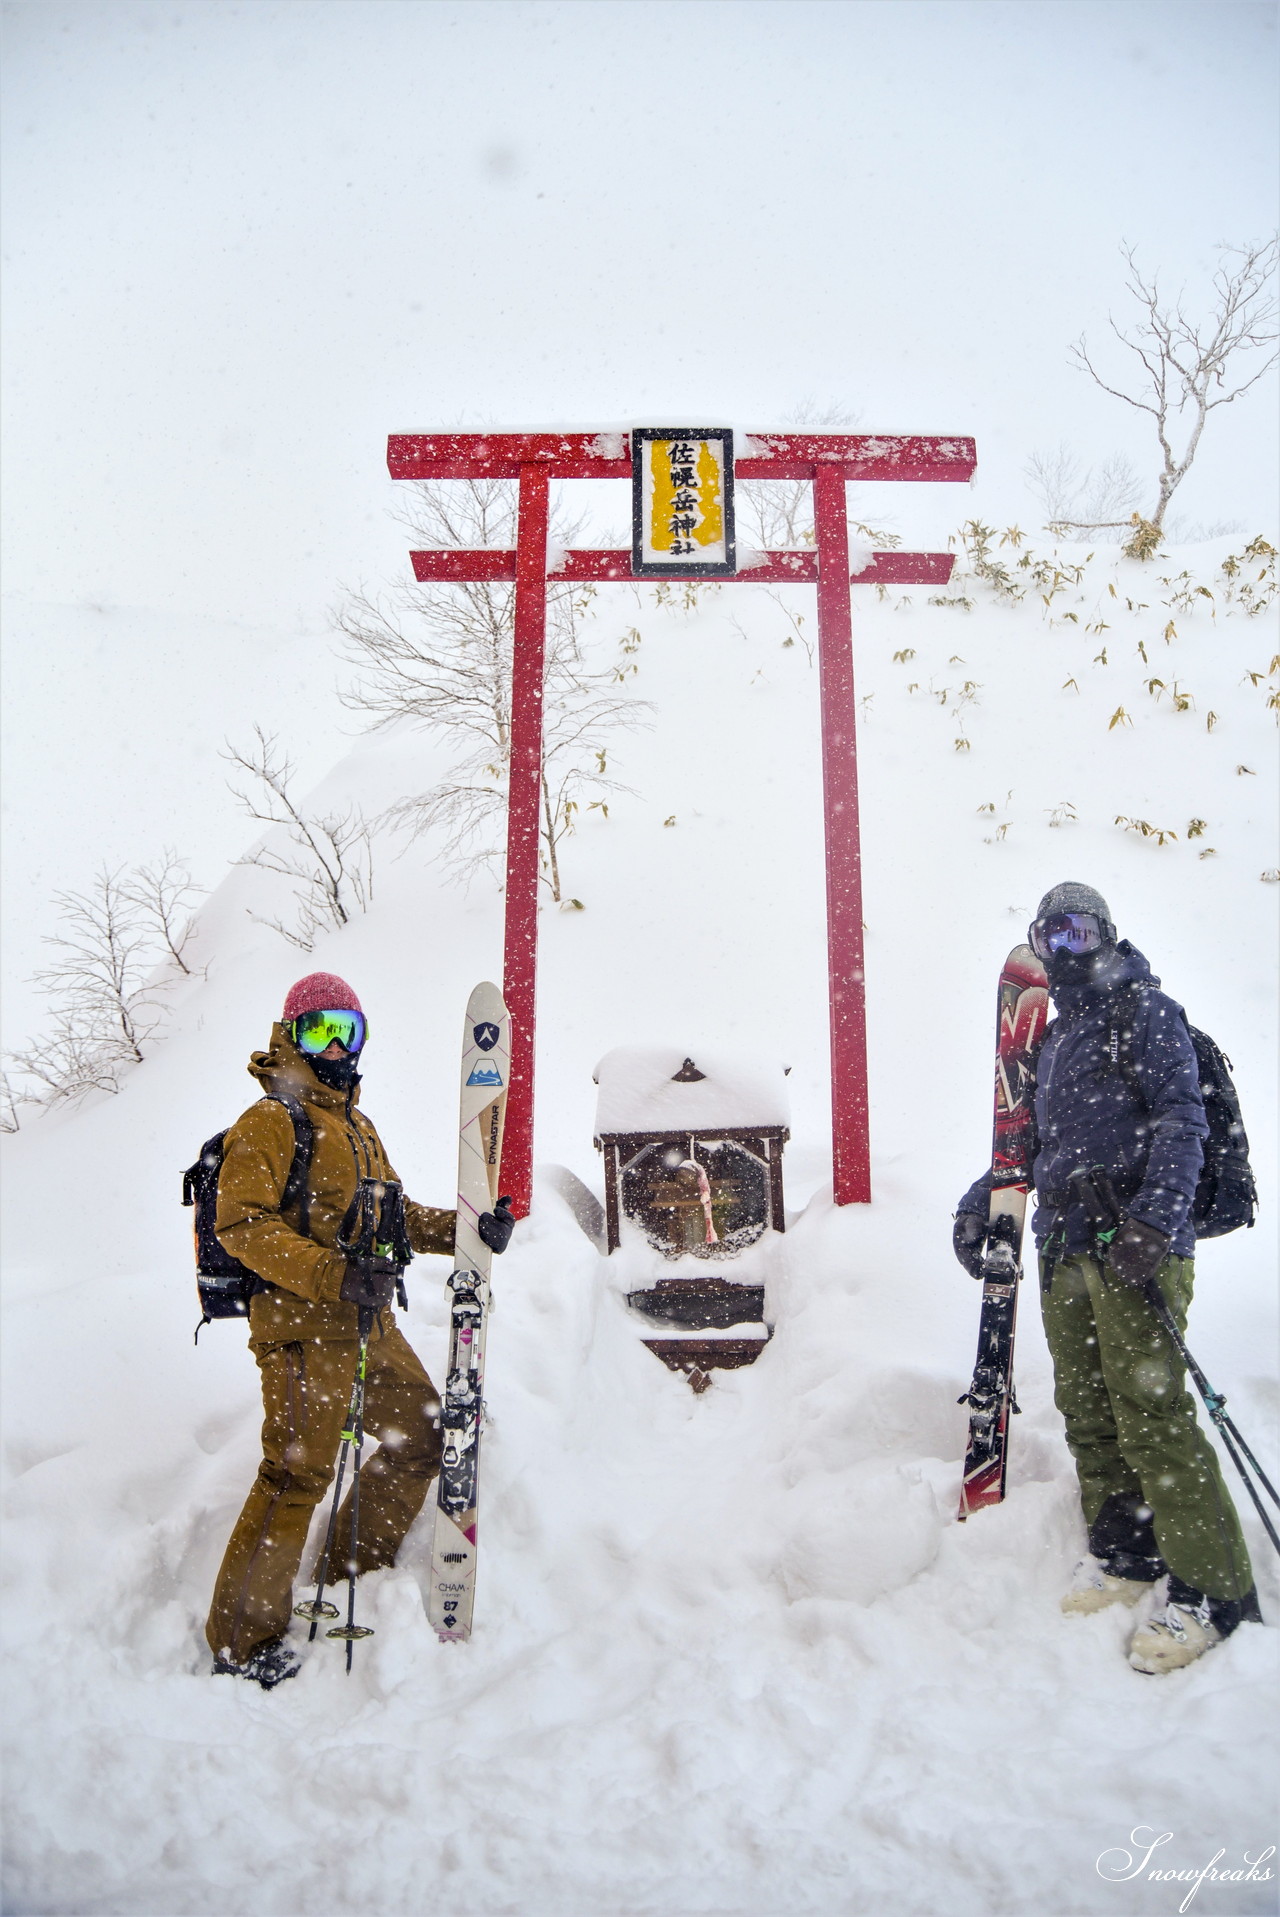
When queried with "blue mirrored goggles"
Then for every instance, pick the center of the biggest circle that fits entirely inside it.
(1067, 932)
(315, 1032)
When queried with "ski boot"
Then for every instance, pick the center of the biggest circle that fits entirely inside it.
(1176, 1636)
(1189, 1625)
(267, 1664)
(1094, 1588)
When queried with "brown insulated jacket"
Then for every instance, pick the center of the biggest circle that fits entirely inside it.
(303, 1275)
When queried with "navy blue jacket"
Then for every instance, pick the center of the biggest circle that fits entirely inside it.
(1088, 1114)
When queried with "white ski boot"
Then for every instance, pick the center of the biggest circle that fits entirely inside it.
(1176, 1636)
(1093, 1589)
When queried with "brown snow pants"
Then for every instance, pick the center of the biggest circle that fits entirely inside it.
(306, 1389)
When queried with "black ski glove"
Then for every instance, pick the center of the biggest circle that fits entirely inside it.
(969, 1241)
(495, 1227)
(368, 1285)
(1137, 1252)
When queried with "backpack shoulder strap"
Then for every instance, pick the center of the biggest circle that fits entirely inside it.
(297, 1188)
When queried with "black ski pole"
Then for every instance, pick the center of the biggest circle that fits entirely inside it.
(1214, 1404)
(1102, 1209)
(373, 1235)
(315, 1608)
(1214, 1400)
(350, 1631)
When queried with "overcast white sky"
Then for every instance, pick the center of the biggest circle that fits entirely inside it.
(245, 241)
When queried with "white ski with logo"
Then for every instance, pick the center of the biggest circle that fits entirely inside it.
(486, 1065)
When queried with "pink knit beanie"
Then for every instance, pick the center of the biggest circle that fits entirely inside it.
(320, 992)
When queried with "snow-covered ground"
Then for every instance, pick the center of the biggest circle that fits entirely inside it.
(733, 1654)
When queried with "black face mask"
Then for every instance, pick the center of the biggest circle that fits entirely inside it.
(1068, 971)
(339, 1074)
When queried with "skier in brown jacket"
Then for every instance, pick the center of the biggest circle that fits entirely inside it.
(303, 1329)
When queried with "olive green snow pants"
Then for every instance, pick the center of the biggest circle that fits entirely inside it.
(306, 1389)
(1131, 1421)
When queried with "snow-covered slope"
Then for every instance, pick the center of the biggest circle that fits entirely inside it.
(784, 1679)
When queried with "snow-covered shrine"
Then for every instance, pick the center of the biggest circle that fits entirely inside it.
(692, 1150)
(693, 1158)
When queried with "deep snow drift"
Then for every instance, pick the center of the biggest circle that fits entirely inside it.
(733, 1653)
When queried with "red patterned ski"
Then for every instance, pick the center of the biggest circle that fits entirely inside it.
(1023, 1011)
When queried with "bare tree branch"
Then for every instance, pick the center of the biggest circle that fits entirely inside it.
(106, 996)
(1076, 498)
(441, 656)
(68, 1063)
(164, 893)
(103, 963)
(1189, 366)
(327, 858)
(11, 1097)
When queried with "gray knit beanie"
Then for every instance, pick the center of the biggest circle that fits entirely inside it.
(1071, 897)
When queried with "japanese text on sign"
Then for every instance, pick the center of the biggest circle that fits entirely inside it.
(683, 501)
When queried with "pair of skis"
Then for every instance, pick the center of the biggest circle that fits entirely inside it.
(486, 1068)
(1021, 1016)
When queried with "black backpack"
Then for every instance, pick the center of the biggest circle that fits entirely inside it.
(1226, 1191)
(224, 1284)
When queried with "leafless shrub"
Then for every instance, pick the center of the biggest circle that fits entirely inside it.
(10, 1100)
(327, 858)
(68, 1062)
(1187, 367)
(106, 984)
(1078, 500)
(104, 961)
(441, 656)
(163, 894)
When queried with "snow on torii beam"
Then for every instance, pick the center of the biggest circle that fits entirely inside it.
(829, 461)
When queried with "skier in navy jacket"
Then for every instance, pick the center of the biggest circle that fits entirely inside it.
(1153, 1496)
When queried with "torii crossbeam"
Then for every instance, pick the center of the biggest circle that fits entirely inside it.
(828, 461)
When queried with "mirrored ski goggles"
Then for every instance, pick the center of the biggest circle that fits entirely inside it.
(1066, 932)
(314, 1032)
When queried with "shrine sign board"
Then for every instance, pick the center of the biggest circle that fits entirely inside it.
(682, 502)
(828, 461)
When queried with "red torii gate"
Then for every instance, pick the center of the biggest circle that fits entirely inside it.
(829, 461)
